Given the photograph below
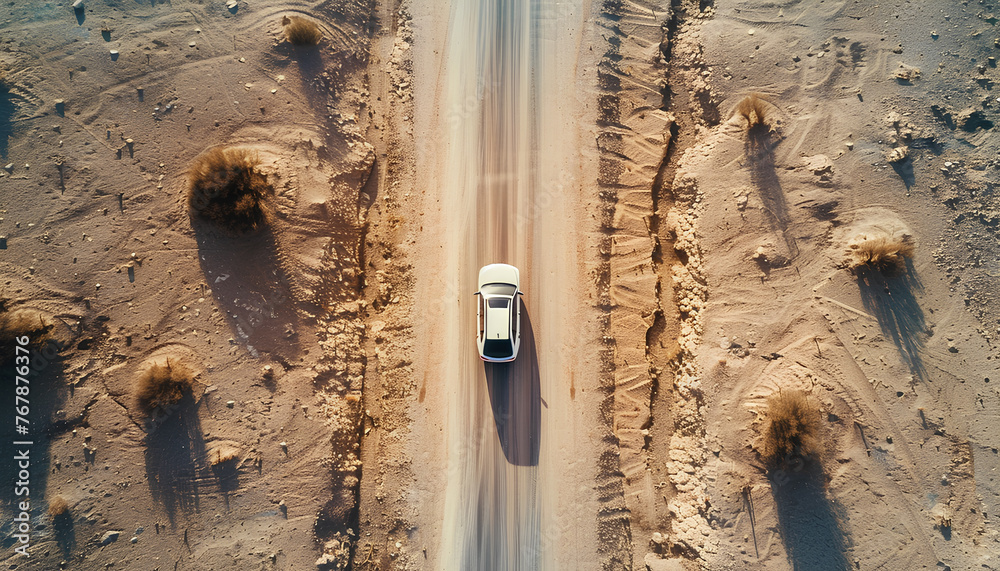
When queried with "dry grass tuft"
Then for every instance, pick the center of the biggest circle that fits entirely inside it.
(223, 453)
(58, 507)
(226, 187)
(793, 425)
(754, 109)
(163, 386)
(880, 251)
(301, 32)
(21, 323)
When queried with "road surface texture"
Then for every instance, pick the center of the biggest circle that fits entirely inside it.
(502, 158)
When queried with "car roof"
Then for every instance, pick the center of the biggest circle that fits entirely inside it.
(498, 322)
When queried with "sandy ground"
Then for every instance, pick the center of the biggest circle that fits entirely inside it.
(98, 239)
(678, 271)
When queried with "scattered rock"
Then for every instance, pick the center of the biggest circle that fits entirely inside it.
(897, 154)
(110, 537)
(822, 167)
(971, 119)
(943, 114)
(906, 74)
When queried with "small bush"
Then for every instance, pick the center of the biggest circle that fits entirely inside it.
(223, 453)
(881, 251)
(58, 508)
(793, 424)
(21, 323)
(162, 386)
(226, 188)
(754, 109)
(301, 32)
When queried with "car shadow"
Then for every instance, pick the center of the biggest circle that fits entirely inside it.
(516, 399)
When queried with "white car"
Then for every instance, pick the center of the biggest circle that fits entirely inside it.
(498, 313)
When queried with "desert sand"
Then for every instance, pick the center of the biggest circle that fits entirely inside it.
(685, 262)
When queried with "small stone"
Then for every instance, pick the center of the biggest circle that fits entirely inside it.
(110, 537)
(9, 167)
(751, 32)
(134, 539)
(897, 154)
(129, 141)
(191, 44)
(230, 403)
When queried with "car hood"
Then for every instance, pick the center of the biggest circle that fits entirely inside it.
(499, 274)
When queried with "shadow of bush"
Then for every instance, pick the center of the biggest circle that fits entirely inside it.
(892, 301)
(175, 449)
(808, 520)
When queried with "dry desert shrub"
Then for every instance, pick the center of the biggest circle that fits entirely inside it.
(792, 433)
(20, 323)
(162, 386)
(222, 454)
(226, 187)
(754, 109)
(301, 32)
(880, 251)
(58, 508)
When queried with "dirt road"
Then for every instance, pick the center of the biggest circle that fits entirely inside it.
(500, 148)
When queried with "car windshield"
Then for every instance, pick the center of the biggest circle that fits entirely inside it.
(498, 302)
(497, 349)
(498, 289)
